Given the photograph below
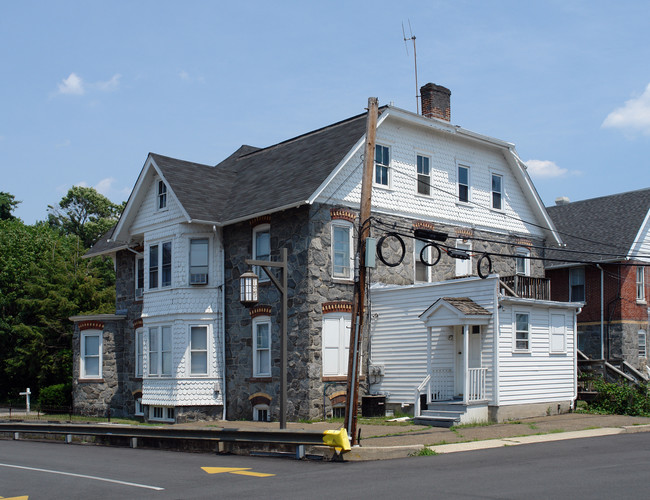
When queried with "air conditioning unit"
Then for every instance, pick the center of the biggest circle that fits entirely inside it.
(139, 292)
(198, 279)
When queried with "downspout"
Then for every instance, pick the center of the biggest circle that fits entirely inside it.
(496, 336)
(602, 311)
(223, 327)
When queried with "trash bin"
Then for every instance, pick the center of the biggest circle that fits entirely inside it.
(373, 406)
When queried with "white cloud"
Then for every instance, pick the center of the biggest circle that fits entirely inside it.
(72, 85)
(105, 186)
(633, 116)
(109, 85)
(545, 169)
(184, 75)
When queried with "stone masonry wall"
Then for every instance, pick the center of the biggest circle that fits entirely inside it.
(306, 233)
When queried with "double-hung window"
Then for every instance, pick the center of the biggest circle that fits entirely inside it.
(139, 353)
(162, 195)
(261, 248)
(139, 277)
(642, 343)
(160, 351)
(160, 265)
(91, 354)
(199, 350)
(382, 165)
(522, 261)
(464, 265)
(422, 271)
(497, 191)
(463, 183)
(577, 284)
(640, 284)
(336, 343)
(424, 175)
(342, 254)
(522, 332)
(199, 261)
(262, 346)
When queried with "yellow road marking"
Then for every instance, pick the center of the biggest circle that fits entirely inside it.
(25, 497)
(242, 471)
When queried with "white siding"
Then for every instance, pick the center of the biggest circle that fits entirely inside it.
(642, 245)
(540, 375)
(399, 337)
(148, 216)
(446, 151)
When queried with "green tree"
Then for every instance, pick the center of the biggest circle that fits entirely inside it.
(8, 204)
(85, 213)
(44, 281)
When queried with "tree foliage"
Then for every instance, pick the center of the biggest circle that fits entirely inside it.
(84, 212)
(8, 204)
(44, 281)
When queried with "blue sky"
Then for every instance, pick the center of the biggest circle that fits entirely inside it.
(89, 88)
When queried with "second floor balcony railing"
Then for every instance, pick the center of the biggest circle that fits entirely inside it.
(527, 287)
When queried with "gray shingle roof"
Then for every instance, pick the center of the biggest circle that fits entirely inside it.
(605, 225)
(253, 180)
(466, 306)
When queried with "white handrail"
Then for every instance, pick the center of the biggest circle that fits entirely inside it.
(418, 391)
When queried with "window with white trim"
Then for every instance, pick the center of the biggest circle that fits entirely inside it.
(382, 165)
(262, 346)
(522, 332)
(464, 266)
(336, 343)
(342, 254)
(424, 175)
(160, 351)
(558, 333)
(199, 252)
(422, 271)
(261, 248)
(139, 277)
(198, 350)
(463, 183)
(497, 191)
(162, 195)
(91, 354)
(522, 261)
(139, 353)
(577, 284)
(160, 265)
(642, 343)
(261, 413)
(640, 283)
(162, 413)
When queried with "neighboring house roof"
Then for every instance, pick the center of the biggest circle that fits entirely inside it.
(605, 229)
(466, 305)
(105, 245)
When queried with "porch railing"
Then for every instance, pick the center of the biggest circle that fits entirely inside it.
(424, 385)
(528, 287)
(437, 386)
(476, 384)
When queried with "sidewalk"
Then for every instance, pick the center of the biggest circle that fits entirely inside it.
(396, 440)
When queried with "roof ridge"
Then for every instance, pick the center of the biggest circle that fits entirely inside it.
(310, 133)
(634, 191)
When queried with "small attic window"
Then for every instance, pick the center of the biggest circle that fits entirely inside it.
(162, 195)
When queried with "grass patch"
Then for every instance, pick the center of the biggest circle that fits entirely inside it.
(555, 431)
(424, 452)
(454, 428)
(533, 426)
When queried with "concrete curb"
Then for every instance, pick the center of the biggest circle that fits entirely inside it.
(363, 453)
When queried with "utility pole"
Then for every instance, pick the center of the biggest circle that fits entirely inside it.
(358, 309)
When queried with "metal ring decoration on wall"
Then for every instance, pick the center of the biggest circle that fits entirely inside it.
(485, 256)
(380, 253)
(422, 255)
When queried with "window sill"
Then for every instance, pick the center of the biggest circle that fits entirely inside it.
(345, 281)
(521, 352)
(425, 196)
(641, 302)
(260, 379)
(338, 378)
(464, 204)
(382, 186)
(91, 380)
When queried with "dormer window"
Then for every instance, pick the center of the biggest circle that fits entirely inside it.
(162, 195)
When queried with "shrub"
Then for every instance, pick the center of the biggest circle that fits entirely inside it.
(55, 396)
(621, 399)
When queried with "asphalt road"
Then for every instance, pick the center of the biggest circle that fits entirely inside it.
(606, 467)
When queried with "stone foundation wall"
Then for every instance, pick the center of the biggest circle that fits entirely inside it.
(621, 342)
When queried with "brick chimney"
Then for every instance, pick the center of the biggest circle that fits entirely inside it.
(436, 101)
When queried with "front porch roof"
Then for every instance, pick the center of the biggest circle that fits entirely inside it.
(450, 311)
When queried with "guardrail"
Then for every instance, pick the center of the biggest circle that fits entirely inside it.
(299, 438)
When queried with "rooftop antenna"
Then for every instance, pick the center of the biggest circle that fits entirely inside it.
(415, 60)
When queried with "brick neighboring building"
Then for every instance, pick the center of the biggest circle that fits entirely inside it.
(613, 232)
